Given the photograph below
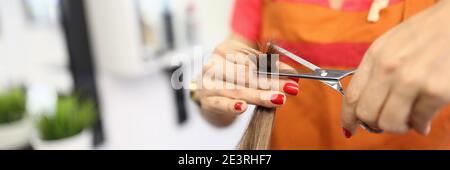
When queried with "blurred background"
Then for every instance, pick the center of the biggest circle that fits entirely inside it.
(95, 74)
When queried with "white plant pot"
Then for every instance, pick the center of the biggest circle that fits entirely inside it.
(15, 135)
(81, 141)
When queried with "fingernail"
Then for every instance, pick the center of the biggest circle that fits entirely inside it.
(294, 78)
(347, 133)
(238, 106)
(291, 88)
(277, 99)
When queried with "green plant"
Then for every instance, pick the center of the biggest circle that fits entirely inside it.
(72, 116)
(12, 105)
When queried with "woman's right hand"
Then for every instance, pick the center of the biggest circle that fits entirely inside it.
(228, 84)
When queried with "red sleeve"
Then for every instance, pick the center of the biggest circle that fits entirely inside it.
(246, 19)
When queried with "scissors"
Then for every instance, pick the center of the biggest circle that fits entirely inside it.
(330, 78)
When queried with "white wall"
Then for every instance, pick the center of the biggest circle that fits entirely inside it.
(213, 20)
(30, 53)
(140, 113)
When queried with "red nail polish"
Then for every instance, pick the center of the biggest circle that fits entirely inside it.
(294, 78)
(277, 99)
(238, 106)
(347, 133)
(291, 88)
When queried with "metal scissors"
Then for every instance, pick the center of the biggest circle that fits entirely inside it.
(330, 78)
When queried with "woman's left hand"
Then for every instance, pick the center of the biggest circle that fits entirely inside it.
(404, 78)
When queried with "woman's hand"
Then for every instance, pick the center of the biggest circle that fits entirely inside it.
(404, 79)
(228, 84)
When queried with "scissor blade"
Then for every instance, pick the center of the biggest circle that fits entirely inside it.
(296, 75)
(296, 58)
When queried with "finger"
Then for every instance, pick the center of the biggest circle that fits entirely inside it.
(223, 69)
(292, 86)
(220, 63)
(397, 109)
(285, 67)
(245, 77)
(237, 52)
(239, 46)
(264, 98)
(287, 86)
(241, 59)
(235, 46)
(223, 105)
(423, 112)
(218, 68)
(373, 96)
(357, 84)
(375, 92)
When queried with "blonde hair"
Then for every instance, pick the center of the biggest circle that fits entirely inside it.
(258, 133)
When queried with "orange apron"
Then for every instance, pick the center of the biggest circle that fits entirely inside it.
(335, 39)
